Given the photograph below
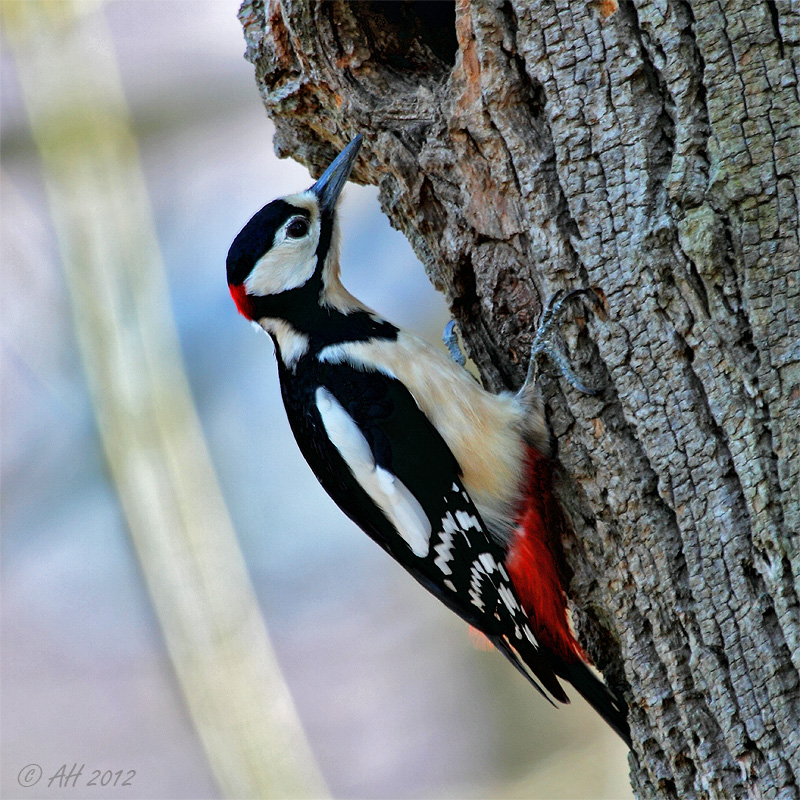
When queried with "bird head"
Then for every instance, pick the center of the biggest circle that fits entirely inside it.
(291, 246)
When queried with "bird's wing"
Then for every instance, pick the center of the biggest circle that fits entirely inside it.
(389, 469)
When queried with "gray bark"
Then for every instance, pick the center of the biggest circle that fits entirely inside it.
(649, 150)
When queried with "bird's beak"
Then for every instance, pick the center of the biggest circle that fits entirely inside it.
(330, 185)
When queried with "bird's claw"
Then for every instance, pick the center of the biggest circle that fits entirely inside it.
(548, 341)
(450, 339)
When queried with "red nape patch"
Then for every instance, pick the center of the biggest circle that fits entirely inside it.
(535, 561)
(243, 301)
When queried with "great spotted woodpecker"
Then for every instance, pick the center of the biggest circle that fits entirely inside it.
(452, 481)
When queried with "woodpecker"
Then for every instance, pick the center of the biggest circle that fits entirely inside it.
(452, 481)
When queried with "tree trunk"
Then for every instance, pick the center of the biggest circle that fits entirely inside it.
(649, 150)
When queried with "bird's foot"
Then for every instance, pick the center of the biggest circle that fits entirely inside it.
(450, 339)
(548, 341)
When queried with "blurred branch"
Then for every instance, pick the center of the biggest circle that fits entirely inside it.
(163, 474)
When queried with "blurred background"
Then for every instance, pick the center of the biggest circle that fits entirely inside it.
(394, 699)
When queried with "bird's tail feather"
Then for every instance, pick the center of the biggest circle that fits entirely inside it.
(610, 707)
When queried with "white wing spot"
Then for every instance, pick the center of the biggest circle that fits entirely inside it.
(475, 586)
(444, 552)
(489, 564)
(449, 525)
(450, 585)
(507, 596)
(467, 520)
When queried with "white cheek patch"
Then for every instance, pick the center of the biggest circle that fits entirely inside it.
(387, 492)
(280, 270)
(289, 263)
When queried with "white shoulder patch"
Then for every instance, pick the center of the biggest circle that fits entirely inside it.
(386, 490)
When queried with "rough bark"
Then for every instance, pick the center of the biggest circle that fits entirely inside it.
(649, 150)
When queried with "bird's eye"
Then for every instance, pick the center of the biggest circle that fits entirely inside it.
(297, 228)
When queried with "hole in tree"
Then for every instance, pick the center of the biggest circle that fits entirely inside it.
(410, 36)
